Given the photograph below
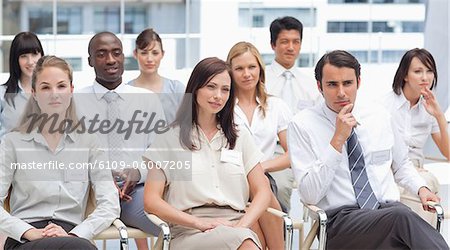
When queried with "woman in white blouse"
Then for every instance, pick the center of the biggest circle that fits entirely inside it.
(47, 168)
(204, 170)
(415, 110)
(266, 118)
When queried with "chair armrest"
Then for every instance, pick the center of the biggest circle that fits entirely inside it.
(436, 159)
(288, 226)
(439, 213)
(321, 220)
(439, 210)
(123, 233)
(165, 229)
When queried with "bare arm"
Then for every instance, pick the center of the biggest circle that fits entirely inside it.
(260, 195)
(280, 162)
(432, 107)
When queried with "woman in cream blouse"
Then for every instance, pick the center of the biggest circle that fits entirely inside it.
(204, 170)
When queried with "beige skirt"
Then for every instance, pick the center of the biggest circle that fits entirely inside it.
(221, 237)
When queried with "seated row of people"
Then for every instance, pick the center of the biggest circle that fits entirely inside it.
(224, 111)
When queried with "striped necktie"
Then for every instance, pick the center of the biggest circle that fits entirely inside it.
(363, 191)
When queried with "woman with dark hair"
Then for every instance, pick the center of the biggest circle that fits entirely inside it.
(149, 52)
(48, 167)
(25, 51)
(217, 169)
(417, 113)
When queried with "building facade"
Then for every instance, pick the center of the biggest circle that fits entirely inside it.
(375, 31)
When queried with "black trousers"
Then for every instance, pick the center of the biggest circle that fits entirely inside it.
(53, 242)
(392, 226)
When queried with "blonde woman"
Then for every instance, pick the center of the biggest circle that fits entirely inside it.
(41, 170)
(266, 118)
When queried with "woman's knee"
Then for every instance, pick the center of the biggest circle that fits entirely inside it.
(248, 244)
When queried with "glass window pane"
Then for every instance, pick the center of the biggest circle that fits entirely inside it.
(70, 20)
(40, 19)
(107, 18)
(262, 17)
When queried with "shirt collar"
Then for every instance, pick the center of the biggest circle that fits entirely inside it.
(217, 142)
(331, 115)
(401, 101)
(37, 137)
(236, 101)
(279, 70)
(19, 83)
(100, 91)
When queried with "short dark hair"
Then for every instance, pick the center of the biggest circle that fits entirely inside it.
(100, 34)
(202, 73)
(340, 59)
(284, 23)
(402, 71)
(147, 37)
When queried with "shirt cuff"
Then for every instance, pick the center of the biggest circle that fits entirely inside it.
(82, 231)
(19, 229)
(331, 157)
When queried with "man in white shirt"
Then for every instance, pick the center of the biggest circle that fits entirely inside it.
(285, 80)
(125, 118)
(347, 158)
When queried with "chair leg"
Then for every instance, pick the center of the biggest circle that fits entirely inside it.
(104, 245)
(152, 243)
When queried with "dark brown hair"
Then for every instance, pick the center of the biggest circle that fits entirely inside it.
(402, 71)
(337, 58)
(147, 37)
(202, 73)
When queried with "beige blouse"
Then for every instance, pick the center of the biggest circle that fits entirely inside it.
(212, 175)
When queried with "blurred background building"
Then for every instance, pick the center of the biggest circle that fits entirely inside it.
(375, 31)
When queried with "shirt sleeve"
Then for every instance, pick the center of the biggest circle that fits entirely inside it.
(251, 155)
(284, 115)
(105, 195)
(313, 170)
(9, 225)
(434, 126)
(404, 172)
(164, 148)
(160, 122)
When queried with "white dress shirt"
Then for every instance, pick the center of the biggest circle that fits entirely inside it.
(304, 86)
(10, 115)
(415, 124)
(265, 129)
(55, 188)
(323, 173)
(90, 102)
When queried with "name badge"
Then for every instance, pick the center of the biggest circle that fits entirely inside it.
(231, 156)
(75, 175)
(302, 104)
(381, 156)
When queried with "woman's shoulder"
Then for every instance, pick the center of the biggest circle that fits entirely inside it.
(173, 86)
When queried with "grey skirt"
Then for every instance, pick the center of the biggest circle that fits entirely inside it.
(221, 237)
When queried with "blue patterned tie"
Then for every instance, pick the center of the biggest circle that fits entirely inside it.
(363, 191)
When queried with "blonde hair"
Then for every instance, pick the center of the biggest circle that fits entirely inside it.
(32, 109)
(241, 48)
